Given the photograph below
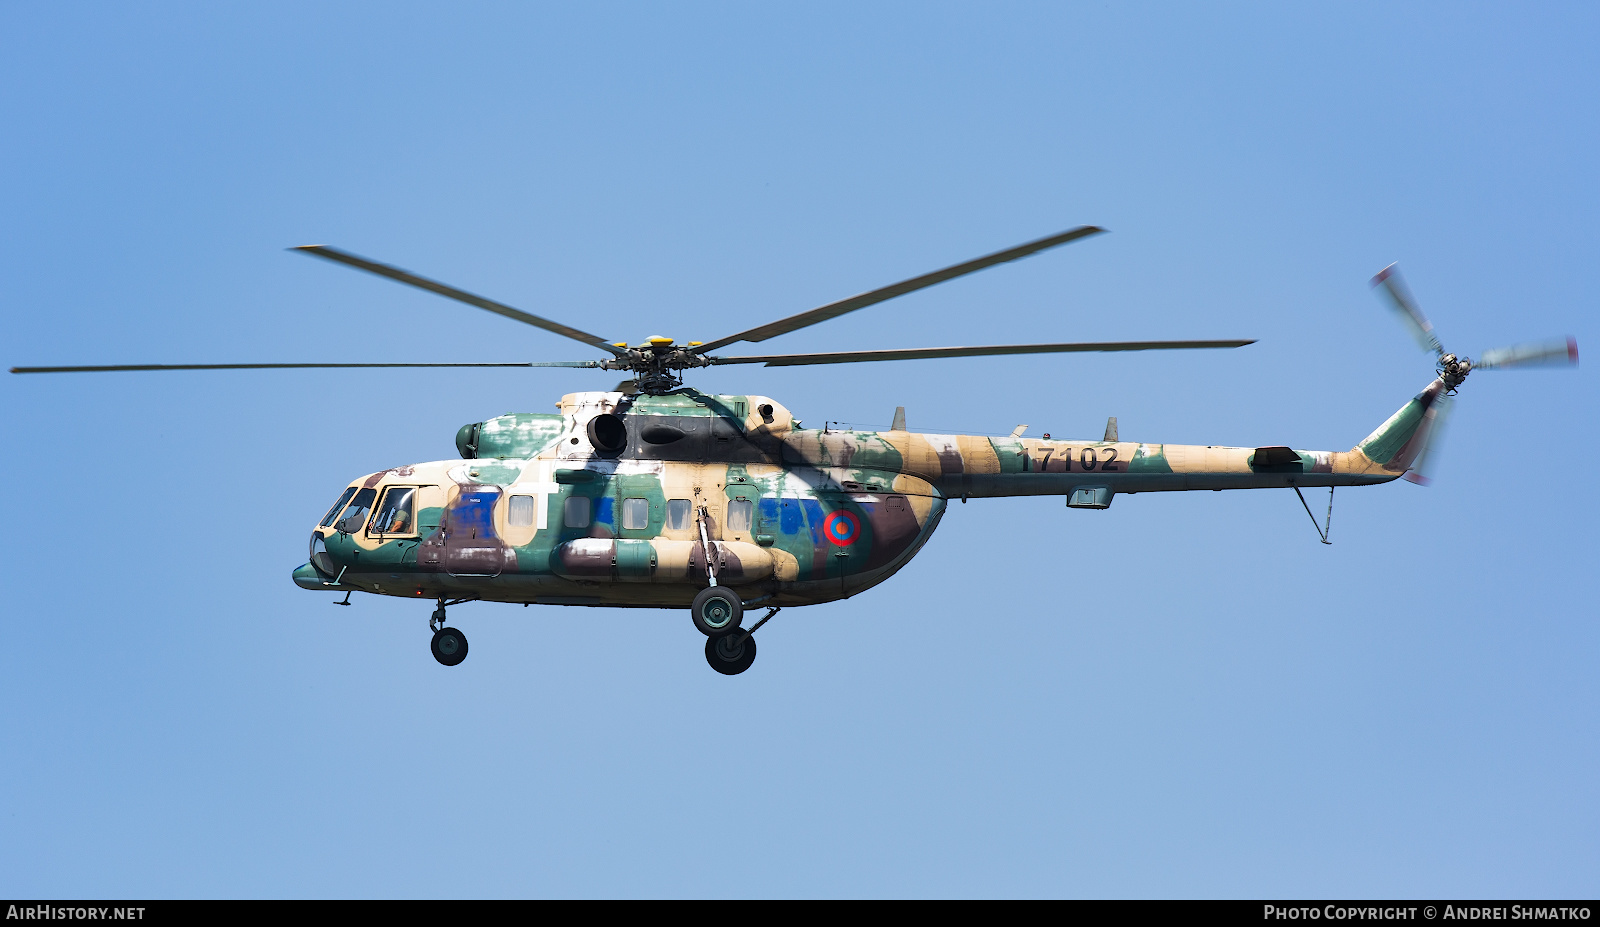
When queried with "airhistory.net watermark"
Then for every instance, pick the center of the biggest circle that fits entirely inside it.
(50, 912)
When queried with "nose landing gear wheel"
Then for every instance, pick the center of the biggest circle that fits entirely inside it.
(717, 611)
(730, 656)
(449, 646)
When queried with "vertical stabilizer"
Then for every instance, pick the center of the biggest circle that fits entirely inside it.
(1398, 442)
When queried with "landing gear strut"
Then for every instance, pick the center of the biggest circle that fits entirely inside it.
(449, 645)
(717, 610)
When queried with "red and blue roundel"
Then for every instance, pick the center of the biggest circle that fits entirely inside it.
(842, 528)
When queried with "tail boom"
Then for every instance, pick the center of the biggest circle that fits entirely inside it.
(969, 466)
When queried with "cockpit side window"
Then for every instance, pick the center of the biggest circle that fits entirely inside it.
(395, 515)
(355, 514)
(337, 508)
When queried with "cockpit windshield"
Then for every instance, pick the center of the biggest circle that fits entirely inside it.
(355, 514)
(337, 508)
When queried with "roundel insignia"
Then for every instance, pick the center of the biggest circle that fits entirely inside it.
(842, 528)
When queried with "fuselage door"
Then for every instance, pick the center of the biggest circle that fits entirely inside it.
(472, 547)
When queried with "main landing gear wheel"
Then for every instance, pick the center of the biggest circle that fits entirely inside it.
(729, 655)
(717, 611)
(449, 646)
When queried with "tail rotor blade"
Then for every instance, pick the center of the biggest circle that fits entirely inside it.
(1557, 352)
(1438, 415)
(1400, 299)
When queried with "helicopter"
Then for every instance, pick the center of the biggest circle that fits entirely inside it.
(656, 495)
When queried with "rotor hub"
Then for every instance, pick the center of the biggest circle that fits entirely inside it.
(1453, 370)
(656, 363)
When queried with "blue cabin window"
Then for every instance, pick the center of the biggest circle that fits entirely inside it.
(472, 515)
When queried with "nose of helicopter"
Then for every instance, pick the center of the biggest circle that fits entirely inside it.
(306, 577)
(321, 571)
(314, 574)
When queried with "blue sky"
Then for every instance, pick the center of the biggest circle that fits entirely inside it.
(1185, 695)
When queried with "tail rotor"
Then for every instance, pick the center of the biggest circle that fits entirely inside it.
(1453, 369)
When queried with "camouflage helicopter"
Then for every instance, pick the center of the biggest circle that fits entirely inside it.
(656, 495)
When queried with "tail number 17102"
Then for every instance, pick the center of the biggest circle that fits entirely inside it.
(1089, 459)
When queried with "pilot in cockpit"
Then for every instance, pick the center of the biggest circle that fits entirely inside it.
(401, 522)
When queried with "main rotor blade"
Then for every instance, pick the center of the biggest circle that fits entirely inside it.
(854, 357)
(434, 286)
(144, 367)
(833, 310)
(1401, 300)
(1555, 352)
